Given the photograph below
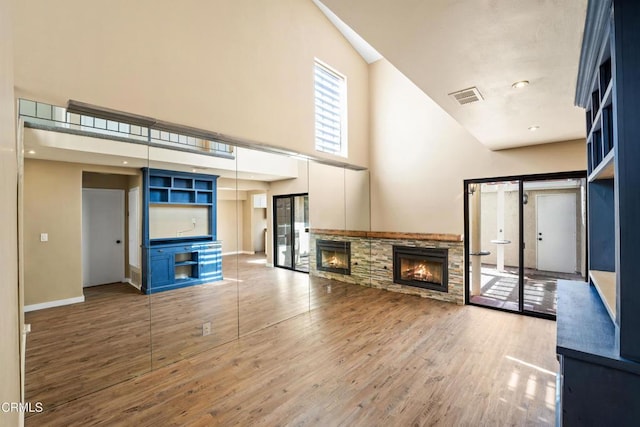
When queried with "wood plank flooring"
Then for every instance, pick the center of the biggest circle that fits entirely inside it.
(118, 333)
(362, 357)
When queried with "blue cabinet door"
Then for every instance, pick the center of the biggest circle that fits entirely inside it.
(161, 270)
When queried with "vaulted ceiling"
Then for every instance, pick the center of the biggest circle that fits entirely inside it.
(448, 45)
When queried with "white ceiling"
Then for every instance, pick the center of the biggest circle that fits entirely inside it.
(447, 45)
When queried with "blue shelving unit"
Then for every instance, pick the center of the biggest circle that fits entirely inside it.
(176, 262)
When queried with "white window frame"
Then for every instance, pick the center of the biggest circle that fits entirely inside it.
(344, 149)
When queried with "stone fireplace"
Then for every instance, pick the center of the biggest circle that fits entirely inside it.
(421, 267)
(372, 260)
(333, 256)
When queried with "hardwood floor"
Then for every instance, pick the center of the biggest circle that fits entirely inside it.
(118, 333)
(362, 356)
(79, 348)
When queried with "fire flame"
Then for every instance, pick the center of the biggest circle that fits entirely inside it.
(422, 273)
(335, 261)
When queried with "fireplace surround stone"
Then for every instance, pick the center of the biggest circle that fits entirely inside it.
(372, 260)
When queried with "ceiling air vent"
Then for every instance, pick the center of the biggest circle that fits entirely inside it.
(466, 96)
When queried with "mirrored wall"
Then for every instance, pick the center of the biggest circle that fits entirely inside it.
(144, 247)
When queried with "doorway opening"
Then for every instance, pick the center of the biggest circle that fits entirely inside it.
(524, 233)
(291, 231)
(110, 229)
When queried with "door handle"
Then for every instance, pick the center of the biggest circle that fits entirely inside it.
(540, 238)
(118, 241)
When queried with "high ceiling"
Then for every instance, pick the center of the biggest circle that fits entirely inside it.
(448, 45)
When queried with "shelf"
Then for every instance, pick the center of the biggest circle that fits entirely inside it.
(203, 185)
(182, 183)
(158, 195)
(605, 170)
(593, 122)
(160, 181)
(179, 263)
(605, 282)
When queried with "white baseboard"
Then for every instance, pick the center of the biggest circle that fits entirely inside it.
(50, 304)
(268, 264)
(239, 253)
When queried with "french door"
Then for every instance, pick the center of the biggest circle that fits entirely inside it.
(291, 231)
(523, 234)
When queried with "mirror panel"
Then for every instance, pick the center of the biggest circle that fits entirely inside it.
(192, 246)
(212, 247)
(340, 222)
(81, 237)
(358, 224)
(330, 269)
(273, 264)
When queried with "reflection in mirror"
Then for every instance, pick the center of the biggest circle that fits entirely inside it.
(340, 222)
(358, 224)
(82, 228)
(273, 260)
(191, 240)
(330, 254)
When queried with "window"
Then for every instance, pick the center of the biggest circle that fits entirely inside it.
(331, 109)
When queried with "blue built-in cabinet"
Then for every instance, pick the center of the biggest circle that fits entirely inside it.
(598, 337)
(176, 261)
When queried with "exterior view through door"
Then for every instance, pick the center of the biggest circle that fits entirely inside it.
(524, 234)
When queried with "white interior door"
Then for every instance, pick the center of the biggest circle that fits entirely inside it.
(102, 236)
(556, 232)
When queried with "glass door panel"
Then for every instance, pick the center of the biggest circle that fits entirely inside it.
(494, 239)
(301, 232)
(283, 232)
(554, 230)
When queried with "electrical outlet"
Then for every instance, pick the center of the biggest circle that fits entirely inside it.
(206, 329)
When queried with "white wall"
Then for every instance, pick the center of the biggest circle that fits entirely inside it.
(420, 157)
(229, 221)
(9, 306)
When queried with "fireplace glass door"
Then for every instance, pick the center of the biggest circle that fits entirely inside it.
(291, 235)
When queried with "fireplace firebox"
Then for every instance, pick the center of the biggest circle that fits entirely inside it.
(421, 267)
(333, 256)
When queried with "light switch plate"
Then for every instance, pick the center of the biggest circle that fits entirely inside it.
(44, 237)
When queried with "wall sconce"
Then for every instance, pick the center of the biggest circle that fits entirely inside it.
(472, 189)
(525, 198)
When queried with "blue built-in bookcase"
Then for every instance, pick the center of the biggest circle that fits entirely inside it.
(598, 323)
(176, 260)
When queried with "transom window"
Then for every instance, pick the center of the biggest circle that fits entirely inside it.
(330, 105)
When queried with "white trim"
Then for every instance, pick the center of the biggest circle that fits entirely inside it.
(50, 304)
(268, 264)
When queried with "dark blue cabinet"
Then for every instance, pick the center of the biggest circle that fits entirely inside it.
(174, 259)
(598, 340)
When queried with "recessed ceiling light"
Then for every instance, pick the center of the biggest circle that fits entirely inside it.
(520, 84)
(124, 162)
(32, 152)
(534, 128)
